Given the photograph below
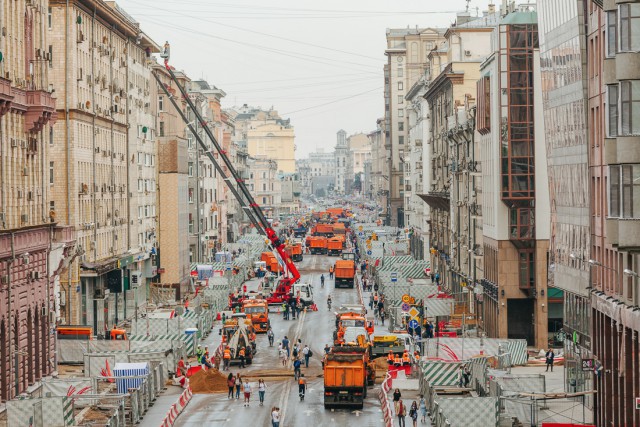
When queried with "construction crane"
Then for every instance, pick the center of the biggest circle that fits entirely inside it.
(244, 197)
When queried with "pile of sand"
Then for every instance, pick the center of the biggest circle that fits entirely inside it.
(381, 363)
(209, 381)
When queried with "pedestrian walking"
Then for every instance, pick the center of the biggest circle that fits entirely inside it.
(382, 316)
(423, 409)
(413, 413)
(270, 336)
(296, 368)
(231, 383)
(238, 385)
(285, 345)
(242, 354)
(283, 356)
(549, 356)
(306, 352)
(262, 388)
(275, 417)
(396, 395)
(371, 301)
(401, 412)
(246, 387)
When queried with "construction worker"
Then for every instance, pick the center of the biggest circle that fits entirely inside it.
(181, 370)
(406, 359)
(226, 357)
(390, 358)
(241, 354)
(397, 361)
(331, 272)
(199, 353)
(340, 336)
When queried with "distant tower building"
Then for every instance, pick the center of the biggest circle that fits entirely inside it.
(341, 156)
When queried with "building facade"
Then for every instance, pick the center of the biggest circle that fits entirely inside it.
(100, 72)
(34, 250)
(341, 157)
(379, 168)
(265, 133)
(264, 185)
(175, 220)
(562, 48)
(407, 52)
(613, 81)
(359, 153)
(515, 199)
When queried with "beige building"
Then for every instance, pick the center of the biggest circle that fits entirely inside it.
(264, 185)
(100, 73)
(34, 249)
(175, 219)
(359, 152)
(407, 51)
(265, 133)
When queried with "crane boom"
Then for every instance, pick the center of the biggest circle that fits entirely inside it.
(250, 206)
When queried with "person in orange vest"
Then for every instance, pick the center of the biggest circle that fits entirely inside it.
(390, 358)
(340, 336)
(226, 357)
(331, 272)
(241, 355)
(370, 328)
(397, 361)
(406, 359)
(181, 370)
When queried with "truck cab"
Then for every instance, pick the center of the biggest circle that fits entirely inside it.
(258, 311)
(304, 291)
(398, 343)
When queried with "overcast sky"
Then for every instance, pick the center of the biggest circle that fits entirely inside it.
(318, 63)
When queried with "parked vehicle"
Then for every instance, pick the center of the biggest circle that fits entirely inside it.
(347, 373)
(318, 245)
(344, 272)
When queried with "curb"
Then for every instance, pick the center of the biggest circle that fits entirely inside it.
(177, 408)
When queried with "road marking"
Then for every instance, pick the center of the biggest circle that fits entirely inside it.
(356, 412)
(284, 399)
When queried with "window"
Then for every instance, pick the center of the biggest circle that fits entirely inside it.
(264, 186)
(264, 200)
(140, 185)
(630, 107)
(401, 139)
(400, 112)
(50, 135)
(629, 27)
(400, 126)
(400, 99)
(50, 172)
(611, 33)
(160, 103)
(190, 195)
(400, 73)
(190, 168)
(612, 110)
(624, 191)
(49, 17)
(190, 223)
(400, 86)
(161, 130)
(140, 211)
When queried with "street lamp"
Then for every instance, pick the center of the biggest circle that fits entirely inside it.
(631, 273)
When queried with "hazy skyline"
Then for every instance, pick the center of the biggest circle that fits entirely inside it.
(318, 64)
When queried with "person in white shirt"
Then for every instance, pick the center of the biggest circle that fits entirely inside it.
(306, 353)
(246, 387)
(275, 417)
(262, 388)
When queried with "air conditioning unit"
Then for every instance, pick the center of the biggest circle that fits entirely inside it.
(14, 143)
(24, 218)
(467, 53)
(4, 279)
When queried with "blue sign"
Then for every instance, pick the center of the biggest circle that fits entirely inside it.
(413, 324)
(394, 277)
(369, 252)
(361, 234)
(228, 266)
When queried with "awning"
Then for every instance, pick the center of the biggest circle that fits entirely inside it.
(101, 267)
(436, 201)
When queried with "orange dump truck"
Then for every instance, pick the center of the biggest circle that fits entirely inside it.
(270, 259)
(318, 245)
(322, 230)
(294, 251)
(339, 228)
(344, 273)
(347, 373)
(335, 246)
(258, 311)
(336, 212)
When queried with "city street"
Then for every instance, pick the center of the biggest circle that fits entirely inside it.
(314, 329)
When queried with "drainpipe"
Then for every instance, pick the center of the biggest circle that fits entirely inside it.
(68, 149)
(13, 365)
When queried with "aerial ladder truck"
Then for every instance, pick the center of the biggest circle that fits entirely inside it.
(288, 286)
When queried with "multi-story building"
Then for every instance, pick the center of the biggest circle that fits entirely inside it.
(379, 167)
(237, 219)
(289, 192)
(407, 51)
(562, 48)
(265, 133)
(303, 167)
(515, 199)
(455, 69)
(206, 193)
(613, 85)
(33, 248)
(174, 218)
(417, 178)
(341, 155)
(264, 185)
(359, 153)
(99, 53)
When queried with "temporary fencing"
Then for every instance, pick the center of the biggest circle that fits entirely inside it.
(384, 401)
(460, 349)
(41, 411)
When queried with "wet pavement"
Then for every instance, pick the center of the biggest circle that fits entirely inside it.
(314, 329)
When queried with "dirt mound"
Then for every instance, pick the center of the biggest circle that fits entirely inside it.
(209, 381)
(381, 363)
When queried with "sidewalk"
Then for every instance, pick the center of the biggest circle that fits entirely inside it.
(156, 413)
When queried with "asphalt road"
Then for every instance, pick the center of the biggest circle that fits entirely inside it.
(314, 329)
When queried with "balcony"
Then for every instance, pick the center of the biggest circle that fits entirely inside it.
(41, 108)
(5, 96)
